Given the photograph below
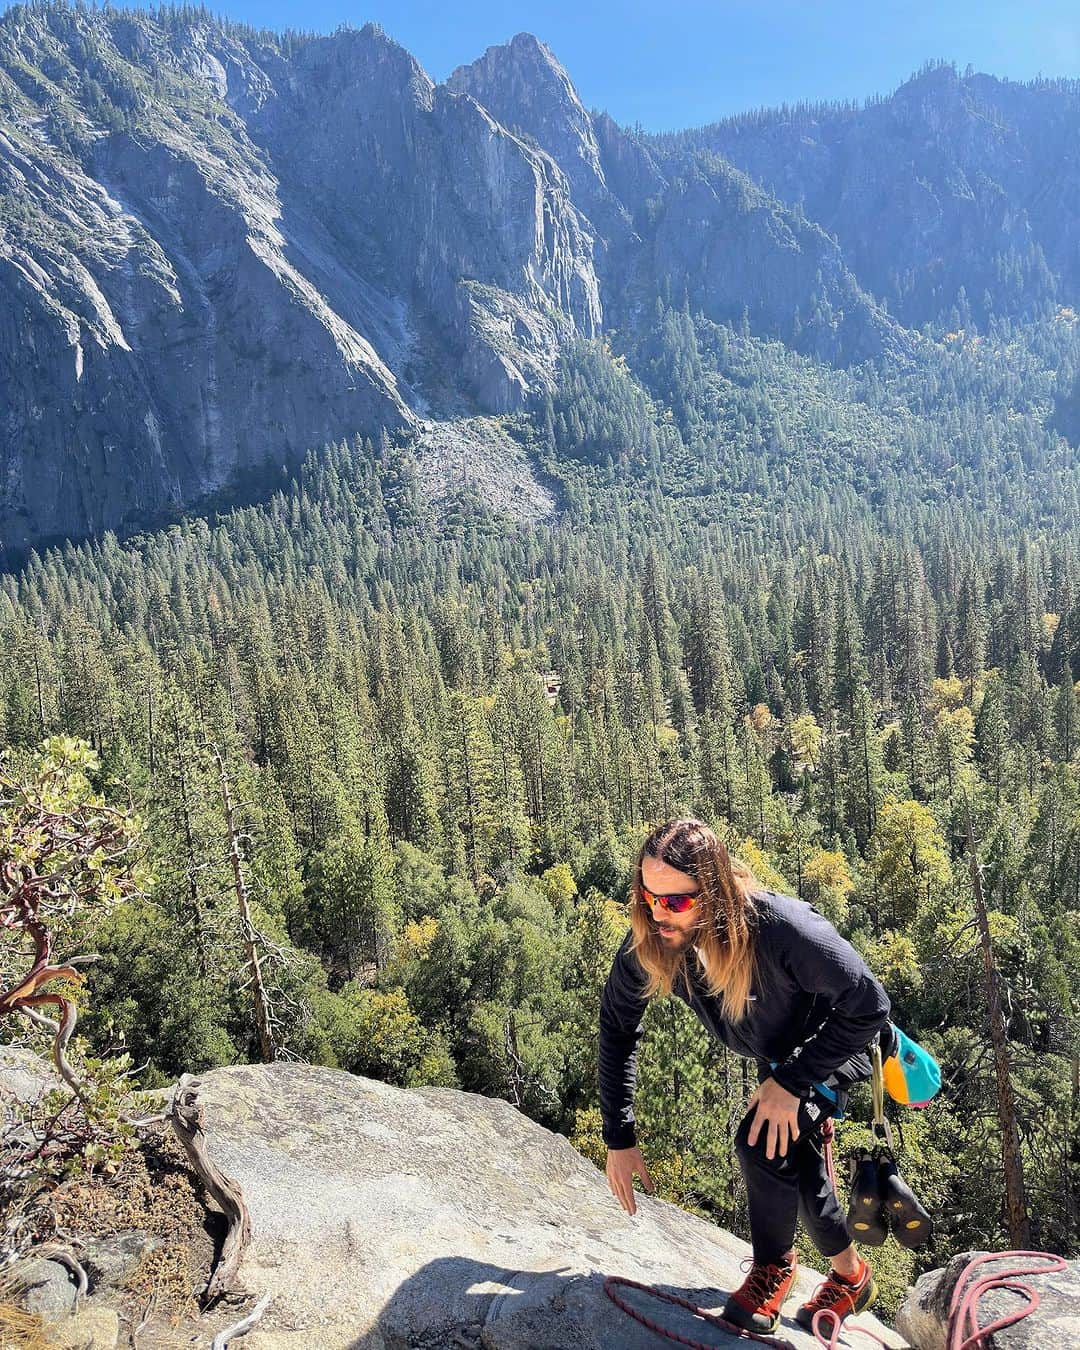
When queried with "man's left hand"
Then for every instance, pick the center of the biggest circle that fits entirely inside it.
(777, 1108)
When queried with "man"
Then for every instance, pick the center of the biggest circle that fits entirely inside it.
(773, 979)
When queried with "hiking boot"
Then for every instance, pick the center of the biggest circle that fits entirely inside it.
(911, 1223)
(867, 1220)
(841, 1296)
(755, 1305)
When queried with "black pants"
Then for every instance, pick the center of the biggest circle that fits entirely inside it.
(781, 1189)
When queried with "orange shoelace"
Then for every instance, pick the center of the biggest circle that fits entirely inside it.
(834, 1291)
(765, 1280)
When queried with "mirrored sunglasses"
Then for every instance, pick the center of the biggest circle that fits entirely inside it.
(677, 904)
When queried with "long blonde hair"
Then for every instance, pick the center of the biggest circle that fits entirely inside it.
(727, 915)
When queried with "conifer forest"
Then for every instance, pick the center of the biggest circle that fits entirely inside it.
(405, 760)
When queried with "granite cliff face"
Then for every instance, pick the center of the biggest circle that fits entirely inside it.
(222, 247)
(445, 206)
(216, 254)
(697, 227)
(524, 86)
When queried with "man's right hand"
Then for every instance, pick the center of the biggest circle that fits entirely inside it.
(622, 1163)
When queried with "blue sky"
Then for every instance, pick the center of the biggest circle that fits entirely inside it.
(690, 61)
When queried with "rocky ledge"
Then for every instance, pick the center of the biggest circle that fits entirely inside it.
(379, 1218)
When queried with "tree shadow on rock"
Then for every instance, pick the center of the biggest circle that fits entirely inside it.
(459, 1303)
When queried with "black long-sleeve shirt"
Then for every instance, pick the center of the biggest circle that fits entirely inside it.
(815, 1008)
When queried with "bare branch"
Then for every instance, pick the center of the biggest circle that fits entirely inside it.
(224, 1338)
(186, 1118)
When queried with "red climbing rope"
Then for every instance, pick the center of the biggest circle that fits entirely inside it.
(609, 1288)
(964, 1306)
(817, 1326)
(965, 1302)
(778, 1342)
(827, 1132)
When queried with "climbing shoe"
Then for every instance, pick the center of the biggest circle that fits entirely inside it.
(911, 1224)
(867, 1220)
(756, 1304)
(841, 1296)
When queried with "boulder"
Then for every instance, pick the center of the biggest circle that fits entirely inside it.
(44, 1287)
(24, 1076)
(384, 1217)
(923, 1317)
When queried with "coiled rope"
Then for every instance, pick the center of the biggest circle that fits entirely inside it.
(965, 1302)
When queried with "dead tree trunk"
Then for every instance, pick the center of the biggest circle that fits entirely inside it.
(263, 1021)
(187, 1119)
(1015, 1199)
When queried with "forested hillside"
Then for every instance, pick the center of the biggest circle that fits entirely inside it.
(946, 196)
(444, 737)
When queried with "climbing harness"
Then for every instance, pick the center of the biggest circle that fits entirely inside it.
(828, 1131)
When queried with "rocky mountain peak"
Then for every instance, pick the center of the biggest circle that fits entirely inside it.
(524, 58)
(363, 56)
(523, 84)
